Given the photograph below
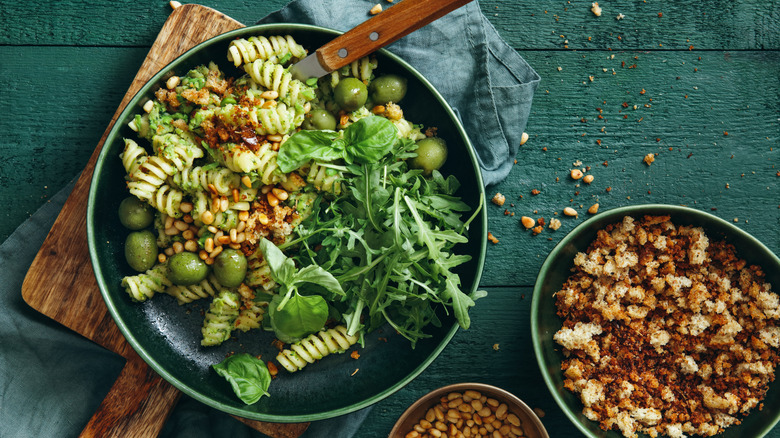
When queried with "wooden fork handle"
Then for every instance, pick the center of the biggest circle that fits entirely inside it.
(382, 29)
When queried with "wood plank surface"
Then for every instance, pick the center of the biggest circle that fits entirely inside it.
(710, 24)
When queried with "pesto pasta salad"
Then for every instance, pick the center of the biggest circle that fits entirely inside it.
(312, 210)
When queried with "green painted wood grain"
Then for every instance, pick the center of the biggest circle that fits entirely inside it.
(696, 164)
(710, 24)
(61, 99)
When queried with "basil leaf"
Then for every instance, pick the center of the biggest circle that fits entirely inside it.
(369, 139)
(305, 146)
(248, 376)
(282, 268)
(315, 274)
(300, 316)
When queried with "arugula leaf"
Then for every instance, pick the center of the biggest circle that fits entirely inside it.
(248, 376)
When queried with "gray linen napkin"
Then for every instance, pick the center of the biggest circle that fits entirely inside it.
(488, 84)
(52, 380)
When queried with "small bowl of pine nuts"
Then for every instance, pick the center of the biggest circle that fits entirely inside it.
(468, 410)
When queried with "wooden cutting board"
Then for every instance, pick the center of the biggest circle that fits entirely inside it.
(61, 283)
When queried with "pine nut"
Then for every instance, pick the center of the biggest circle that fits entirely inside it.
(593, 209)
(148, 106)
(243, 215)
(203, 255)
(207, 217)
(215, 253)
(247, 181)
(527, 222)
(473, 394)
(161, 257)
(236, 195)
(263, 219)
(273, 201)
(270, 95)
(177, 247)
(568, 211)
(191, 245)
(209, 244)
(172, 82)
(181, 225)
(186, 207)
(576, 174)
(588, 179)
(523, 138)
(233, 235)
(265, 189)
(188, 234)
(274, 138)
(280, 193)
(168, 251)
(223, 240)
(223, 204)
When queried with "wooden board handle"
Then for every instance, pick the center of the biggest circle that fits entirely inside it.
(137, 405)
(383, 29)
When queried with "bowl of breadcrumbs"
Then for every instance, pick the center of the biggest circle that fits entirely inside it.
(660, 320)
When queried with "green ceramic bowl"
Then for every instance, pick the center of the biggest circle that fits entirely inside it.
(167, 336)
(556, 269)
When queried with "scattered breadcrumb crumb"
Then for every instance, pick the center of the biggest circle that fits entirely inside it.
(499, 199)
(495, 347)
(492, 238)
(376, 9)
(649, 158)
(596, 9)
(620, 16)
(555, 224)
(354, 354)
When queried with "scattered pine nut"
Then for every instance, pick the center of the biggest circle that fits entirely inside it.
(523, 138)
(527, 222)
(588, 179)
(593, 209)
(568, 211)
(174, 4)
(376, 9)
(576, 174)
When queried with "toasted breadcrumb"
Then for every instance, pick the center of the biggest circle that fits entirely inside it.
(666, 332)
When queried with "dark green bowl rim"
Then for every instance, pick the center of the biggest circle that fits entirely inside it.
(104, 287)
(616, 214)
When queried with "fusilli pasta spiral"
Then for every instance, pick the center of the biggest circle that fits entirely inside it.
(187, 294)
(143, 286)
(275, 47)
(250, 316)
(193, 179)
(219, 319)
(314, 347)
(263, 161)
(276, 78)
(167, 200)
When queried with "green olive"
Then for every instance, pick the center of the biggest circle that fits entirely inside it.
(387, 88)
(350, 94)
(186, 268)
(135, 214)
(431, 155)
(141, 250)
(230, 267)
(319, 119)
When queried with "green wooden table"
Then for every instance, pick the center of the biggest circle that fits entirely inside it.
(696, 84)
